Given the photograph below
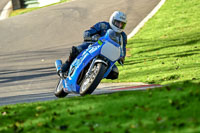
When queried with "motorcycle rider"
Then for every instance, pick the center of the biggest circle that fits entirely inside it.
(117, 23)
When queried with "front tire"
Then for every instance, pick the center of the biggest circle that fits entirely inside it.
(59, 92)
(90, 82)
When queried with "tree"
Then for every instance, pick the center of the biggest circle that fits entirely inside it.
(17, 4)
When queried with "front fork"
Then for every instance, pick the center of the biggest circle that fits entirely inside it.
(90, 68)
(95, 60)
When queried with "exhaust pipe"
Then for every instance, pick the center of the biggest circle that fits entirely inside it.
(58, 65)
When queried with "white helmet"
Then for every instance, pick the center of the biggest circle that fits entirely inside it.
(118, 21)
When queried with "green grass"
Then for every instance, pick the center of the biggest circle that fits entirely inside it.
(165, 51)
(167, 48)
(169, 109)
(26, 10)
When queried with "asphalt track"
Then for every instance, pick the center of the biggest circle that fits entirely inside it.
(3, 4)
(101, 89)
(30, 43)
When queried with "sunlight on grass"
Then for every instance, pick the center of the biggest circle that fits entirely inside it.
(167, 49)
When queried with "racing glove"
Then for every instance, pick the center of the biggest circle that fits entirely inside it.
(121, 60)
(95, 37)
(87, 36)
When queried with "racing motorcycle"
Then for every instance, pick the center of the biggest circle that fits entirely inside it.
(90, 66)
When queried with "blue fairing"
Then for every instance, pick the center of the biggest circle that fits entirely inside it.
(78, 65)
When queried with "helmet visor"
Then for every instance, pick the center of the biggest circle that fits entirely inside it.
(119, 24)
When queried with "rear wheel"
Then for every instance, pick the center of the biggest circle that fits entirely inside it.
(59, 92)
(90, 82)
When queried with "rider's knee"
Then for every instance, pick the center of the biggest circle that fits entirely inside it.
(113, 74)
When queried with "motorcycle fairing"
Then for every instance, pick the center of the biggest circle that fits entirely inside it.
(77, 66)
(70, 83)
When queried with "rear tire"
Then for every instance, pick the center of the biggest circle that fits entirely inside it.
(59, 92)
(90, 83)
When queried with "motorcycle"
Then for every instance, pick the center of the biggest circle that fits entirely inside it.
(90, 66)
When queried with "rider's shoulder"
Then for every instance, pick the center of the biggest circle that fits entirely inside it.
(102, 25)
(103, 22)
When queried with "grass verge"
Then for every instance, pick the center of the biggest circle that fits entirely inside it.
(167, 109)
(167, 48)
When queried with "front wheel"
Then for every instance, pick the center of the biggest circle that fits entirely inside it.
(59, 92)
(90, 82)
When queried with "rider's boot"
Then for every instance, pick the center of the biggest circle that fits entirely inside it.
(73, 54)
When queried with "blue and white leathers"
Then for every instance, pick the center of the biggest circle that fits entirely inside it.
(106, 50)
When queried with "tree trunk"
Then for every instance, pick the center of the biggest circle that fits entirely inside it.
(16, 4)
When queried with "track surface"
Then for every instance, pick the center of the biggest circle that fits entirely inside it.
(3, 4)
(30, 43)
(50, 96)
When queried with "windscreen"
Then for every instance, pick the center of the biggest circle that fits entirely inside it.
(114, 36)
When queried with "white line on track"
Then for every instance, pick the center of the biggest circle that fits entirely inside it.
(150, 15)
(6, 11)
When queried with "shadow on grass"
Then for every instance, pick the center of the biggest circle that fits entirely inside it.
(137, 60)
(182, 40)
